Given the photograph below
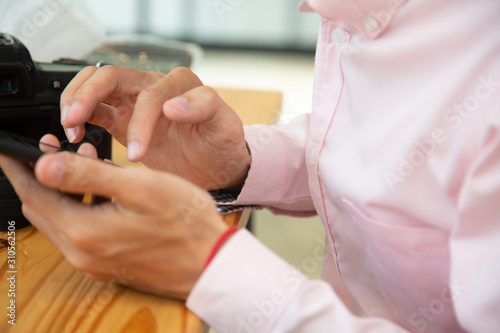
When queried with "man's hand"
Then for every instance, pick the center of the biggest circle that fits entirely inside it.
(169, 122)
(158, 231)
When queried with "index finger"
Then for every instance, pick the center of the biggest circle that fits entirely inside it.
(93, 86)
(70, 90)
(148, 108)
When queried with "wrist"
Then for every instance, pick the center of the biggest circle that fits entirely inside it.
(219, 244)
(237, 184)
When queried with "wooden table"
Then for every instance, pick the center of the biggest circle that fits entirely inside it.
(52, 297)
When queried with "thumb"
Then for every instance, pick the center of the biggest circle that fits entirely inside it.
(77, 174)
(201, 105)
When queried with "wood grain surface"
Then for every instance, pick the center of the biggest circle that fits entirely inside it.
(53, 297)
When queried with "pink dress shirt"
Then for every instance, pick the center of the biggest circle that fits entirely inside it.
(401, 160)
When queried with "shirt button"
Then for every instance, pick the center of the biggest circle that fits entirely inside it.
(338, 37)
(370, 24)
(312, 155)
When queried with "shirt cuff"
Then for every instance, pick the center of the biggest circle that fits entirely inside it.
(245, 287)
(225, 202)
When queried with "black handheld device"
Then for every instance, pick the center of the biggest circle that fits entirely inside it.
(29, 108)
(21, 148)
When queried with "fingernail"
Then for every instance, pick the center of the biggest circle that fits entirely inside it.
(180, 104)
(133, 150)
(71, 133)
(64, 112)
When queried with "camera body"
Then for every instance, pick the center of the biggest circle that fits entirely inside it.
(29, 106)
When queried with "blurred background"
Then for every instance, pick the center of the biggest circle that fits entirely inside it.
(262, 24)
(243, 44)
(255, 44)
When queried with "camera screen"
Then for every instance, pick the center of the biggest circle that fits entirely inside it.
(7, 84)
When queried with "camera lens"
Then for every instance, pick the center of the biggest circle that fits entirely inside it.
(7, 84)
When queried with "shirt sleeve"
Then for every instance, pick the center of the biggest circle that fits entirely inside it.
(278, 178)
(247, 288)
(475, 246)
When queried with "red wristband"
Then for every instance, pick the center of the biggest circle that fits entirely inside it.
(222, 239)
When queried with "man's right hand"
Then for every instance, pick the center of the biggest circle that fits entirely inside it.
(169, 122)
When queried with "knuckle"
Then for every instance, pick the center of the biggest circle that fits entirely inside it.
(156, 76)
(27, 212)
(148, 93)
(103, 119)
(73, 161)
(181, 71)
(81, 239)
(92, 86)
(69, 171)
(89, 263)
(209, 95)
(66, 99)
(87, 71)
(151, 78)
(89, 89)
(231, 134)
(184, 77)
(109, 70)
(80, 261)
(111, 73)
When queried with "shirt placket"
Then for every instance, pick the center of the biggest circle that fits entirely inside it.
(328, 87)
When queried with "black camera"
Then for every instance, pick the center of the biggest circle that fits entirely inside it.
(29, 107)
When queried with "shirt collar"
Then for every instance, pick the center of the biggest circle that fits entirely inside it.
(371, 17)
